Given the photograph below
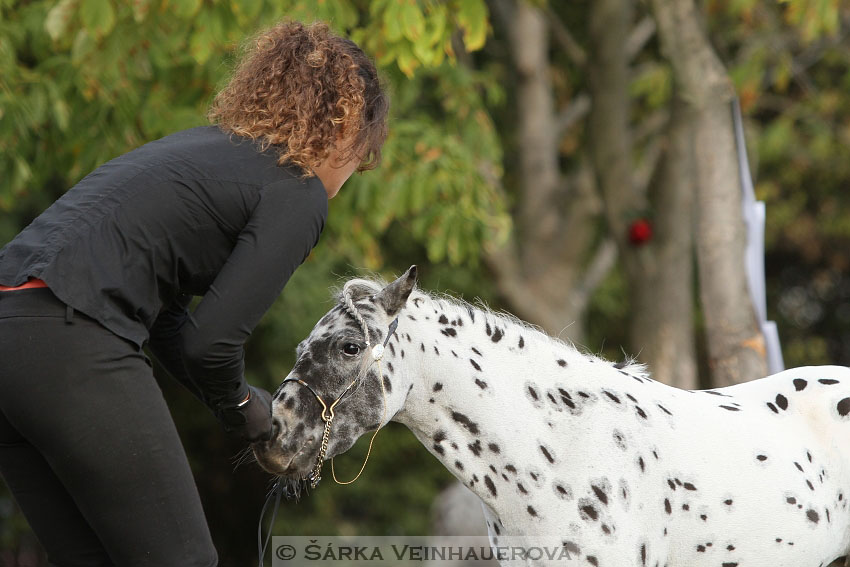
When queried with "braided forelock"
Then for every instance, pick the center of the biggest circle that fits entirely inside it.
(348, 303)
(359, 289)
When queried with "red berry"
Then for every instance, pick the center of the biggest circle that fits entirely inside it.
(640, 231)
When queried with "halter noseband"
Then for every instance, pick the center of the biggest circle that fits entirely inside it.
(328, 411)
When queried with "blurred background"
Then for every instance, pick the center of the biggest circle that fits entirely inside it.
(570, 162)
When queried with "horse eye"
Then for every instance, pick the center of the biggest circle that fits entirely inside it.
(351, 349)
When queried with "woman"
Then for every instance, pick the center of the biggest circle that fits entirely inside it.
(226, 212)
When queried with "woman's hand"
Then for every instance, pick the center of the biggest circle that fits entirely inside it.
(251, 419)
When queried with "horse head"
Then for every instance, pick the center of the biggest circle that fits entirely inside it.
(333, 394)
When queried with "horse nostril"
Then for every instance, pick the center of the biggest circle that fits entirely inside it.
(275, 428)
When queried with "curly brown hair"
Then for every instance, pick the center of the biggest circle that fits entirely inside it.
(302, 89)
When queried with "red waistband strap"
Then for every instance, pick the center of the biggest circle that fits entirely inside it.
(30, 284)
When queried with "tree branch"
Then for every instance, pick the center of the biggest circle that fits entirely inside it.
(640, 35)
(644, 171)
(564, 38)
(572, 113)
(603, 261)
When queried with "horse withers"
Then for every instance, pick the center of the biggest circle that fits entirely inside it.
(619, 469)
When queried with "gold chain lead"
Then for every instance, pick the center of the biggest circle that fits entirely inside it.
(315, 478)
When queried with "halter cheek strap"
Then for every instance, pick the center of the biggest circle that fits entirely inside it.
(377, 355)
(378, 350)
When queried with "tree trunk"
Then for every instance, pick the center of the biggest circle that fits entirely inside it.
(662, 324)
(610, 131)
(540, 271)
(659, 272)
(735, 344)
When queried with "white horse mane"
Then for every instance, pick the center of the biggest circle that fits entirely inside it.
(360, 288)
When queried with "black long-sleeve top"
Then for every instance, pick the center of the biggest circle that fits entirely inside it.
(199, 212)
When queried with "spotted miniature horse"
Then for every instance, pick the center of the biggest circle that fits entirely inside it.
(623, 470)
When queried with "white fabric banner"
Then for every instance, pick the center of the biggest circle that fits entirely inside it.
(754, 219)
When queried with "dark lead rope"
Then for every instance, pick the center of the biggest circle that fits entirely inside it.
(278, 489)
(276, 492)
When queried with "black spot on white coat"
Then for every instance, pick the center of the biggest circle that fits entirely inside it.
(469, 425)
(488, 482)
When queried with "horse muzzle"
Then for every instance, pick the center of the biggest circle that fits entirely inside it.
(282, 458)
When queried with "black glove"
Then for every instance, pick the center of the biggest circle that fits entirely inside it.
(252, 420)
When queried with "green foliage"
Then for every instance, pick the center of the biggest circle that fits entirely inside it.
(416, 34)
(135, 72)
(814, 18)
(654, 84)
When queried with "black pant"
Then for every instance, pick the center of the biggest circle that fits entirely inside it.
(87, 444)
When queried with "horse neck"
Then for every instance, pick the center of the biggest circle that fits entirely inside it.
(470, 372)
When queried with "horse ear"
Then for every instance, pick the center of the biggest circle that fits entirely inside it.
(393, 297)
